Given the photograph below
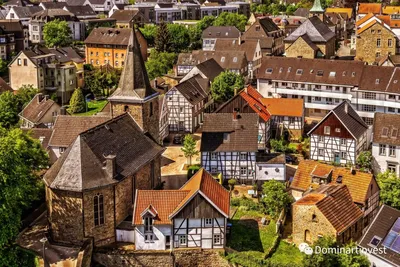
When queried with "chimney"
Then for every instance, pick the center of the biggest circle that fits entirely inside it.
(40, 98)
(346, 107)
(110, 165)
(63, 110)
(235, 91)
(235, 114)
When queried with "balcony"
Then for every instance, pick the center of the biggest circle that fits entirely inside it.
(304, 92)
(321, 105)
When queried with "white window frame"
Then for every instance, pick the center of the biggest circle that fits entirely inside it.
(208, 221)
(182, 239)
(382, 149)
(217, 239)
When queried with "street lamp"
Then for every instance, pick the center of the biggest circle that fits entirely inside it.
(43, 241)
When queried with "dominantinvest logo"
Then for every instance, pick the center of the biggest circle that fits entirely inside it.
(306, 249)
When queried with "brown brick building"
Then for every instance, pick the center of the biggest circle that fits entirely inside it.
(329, 211)
(109, 45)
(374, 40)
(90, 190)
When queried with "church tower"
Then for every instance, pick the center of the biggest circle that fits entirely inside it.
(134, 93)
(317, 10)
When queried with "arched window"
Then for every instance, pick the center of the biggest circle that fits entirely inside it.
(98, 210)
(151, 109)
(126, 108)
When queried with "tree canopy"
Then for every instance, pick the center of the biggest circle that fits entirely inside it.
(57, 33)
(351, 259)
(224, 86)
(389, 186)
(149, 32)
(100, 82)
(275, 197)
(8, 110)
(231, 19)
(159, 63)
(77, 103)
(189, 147)
(21, 157)
(364, 160)
(162, 38)
(179, 38)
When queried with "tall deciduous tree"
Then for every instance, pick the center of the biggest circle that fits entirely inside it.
(8, 110)
(159, 64)
(21, 157)
(189, 147)
(364, 160)
(25, 94)
(77, 103)
(179, 38)
(275, 197)
(57, 33)
(162, 38)
(231, 19)
(224, 86)
(389, 189)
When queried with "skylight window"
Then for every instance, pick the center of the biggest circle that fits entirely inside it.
(392, 240)
(311, 71)
(222, 59)
(320, 73)
(377, 81)
(344, 73)
(394, 132)
(235, 59)
(289, 69)
(268, 71)
(280, 70)
(299, 72)
(375, 241)
(353, 74)
(332, 74)
(385, 131)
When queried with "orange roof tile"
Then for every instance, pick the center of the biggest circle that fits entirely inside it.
(385, 19)
(365, 8)
(284, 106)
(358, 184)
(348, 11)
(253, 97)
(310, 199)
(364, 19)
(322, 170)
(166, 203)
(391, 10)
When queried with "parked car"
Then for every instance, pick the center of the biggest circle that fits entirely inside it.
(289, 159)
(178, 139)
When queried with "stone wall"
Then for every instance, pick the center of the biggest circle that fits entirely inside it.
(206, 258)
(123, 199)
(299, 48)
(367, 43)
(142, 178)
(65, 216)
(103, 234)
(302, 222)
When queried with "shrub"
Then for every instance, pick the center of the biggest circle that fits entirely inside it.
(192, 170)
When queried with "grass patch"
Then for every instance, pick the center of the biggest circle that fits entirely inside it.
(286, 253)
(93, 107)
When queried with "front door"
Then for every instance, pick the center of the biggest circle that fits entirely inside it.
(337, 158)
(181, 126)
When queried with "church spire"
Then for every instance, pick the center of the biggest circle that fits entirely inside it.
(134, 83)
(317, 7)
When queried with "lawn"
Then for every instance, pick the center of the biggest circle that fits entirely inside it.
(286, 253)
(93, 107)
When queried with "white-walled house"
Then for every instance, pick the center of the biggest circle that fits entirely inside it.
(194, 216)
(386, 143)
(270, 167)
(339, 137)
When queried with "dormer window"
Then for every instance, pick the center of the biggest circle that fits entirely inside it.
(268, 71)
(226, 137)
(148, 224)
(376, 81)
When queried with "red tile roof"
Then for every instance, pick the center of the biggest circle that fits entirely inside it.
(167, 203)
(253, 97)
(365, 8)
(284, 106)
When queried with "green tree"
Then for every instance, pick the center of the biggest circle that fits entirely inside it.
(21, 158)
(57, 33)
(159, 63)
(275, 197)
(100, 81)
(205, 22)
(351, 259)
(389, 186)
(8, 110)
(290, 9)
(25, 94)
(3, 67)
(364, 160)
(131, 2)
(77, 103)
(224, 86)
(179, 38)
(149, 32)
(189, 147)
(162, 40)
(231, 19)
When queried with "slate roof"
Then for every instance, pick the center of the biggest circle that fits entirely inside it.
(17, 3)
(80, 167)
(270, 158)
(386, 129)
(316, 30)
(11, 25)
(134, 84)
(358, 184)
(194, 89)
(167, 203)
(53, 5)
(67, 128)
(350, 119)
(380, 227)
(302, 12)
(75, 2)
(243, 132)
(80, 11)
(26, 11)
(226, 59)
(248, 46)
(210, 68)
(37, 108)
(124, 15)
(284, 106)
(110, 36)
(221, 32)
(4, 87)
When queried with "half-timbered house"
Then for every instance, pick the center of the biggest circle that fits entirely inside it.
(249, 101)
(363, 187)
(339, 137)
(229, 144)
(287, 117)
(194, 216)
